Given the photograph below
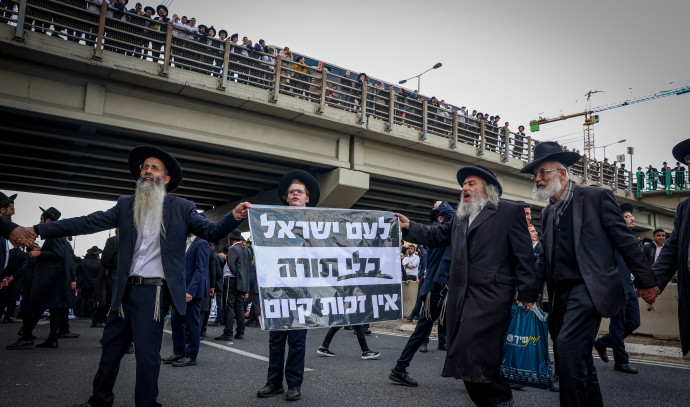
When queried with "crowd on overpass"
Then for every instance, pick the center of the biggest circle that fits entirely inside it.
(481, 259)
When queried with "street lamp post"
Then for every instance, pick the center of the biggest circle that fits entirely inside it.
(610, 144)
(438, 65)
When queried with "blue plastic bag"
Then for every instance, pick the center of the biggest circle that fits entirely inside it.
(525, 355)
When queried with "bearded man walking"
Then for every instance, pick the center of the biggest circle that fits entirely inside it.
(491, 257)
(583, 232)
(153, 234)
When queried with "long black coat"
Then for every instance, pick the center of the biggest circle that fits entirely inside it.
(106, 279)
(54, 272)
(674, 257)
(239, 263)
(600, 232)
(90, 269)
(489, 261)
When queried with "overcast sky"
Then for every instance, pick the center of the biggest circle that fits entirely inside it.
(518, 59)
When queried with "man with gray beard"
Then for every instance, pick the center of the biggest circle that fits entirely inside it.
(151, 260)
(583, 228)
(491, 257)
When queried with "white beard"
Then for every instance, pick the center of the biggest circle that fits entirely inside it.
(465, 209)
(552, 188)
(148, 203)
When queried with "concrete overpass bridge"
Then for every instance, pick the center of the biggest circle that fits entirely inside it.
(72, 109)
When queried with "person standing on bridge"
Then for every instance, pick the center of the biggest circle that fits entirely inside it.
(491, 257)
(296, 188)
(153, 233)
(674, 257)
(583, 230)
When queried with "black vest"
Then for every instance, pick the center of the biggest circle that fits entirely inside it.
(565, 262)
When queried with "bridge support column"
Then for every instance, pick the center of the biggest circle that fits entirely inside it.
(342, 188)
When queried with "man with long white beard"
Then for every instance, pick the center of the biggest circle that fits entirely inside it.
(583, 228)
(491, 257)
(151, 257)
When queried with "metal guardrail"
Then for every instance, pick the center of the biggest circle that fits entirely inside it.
(98, 25)
(667, 181)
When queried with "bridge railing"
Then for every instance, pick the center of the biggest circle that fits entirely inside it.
(666, 181)
(105, 28)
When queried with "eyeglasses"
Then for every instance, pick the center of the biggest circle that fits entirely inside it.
(541, 172)
(296, 192)
(145, 167)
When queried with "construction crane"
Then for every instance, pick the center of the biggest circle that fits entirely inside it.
(591, 118)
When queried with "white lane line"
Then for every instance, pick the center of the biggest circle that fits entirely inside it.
(235, 350)
(636, 361)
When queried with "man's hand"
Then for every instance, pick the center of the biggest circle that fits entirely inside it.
(213, 291)
(35, 251)
(528, 305)
(22, 236)
(189, 297)
(404, 222)
(407, 282)
(649, 294)
(240, 211)
(437, 204)
(223, 256)
(73, 284)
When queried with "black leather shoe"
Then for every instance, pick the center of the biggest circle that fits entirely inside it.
(68, 335)
(293, 393)
(223, 338)
(21, 344)
(239, 336)
(184, 362)
(171, 358)
(556, 386)
(442, 346)
(423, 348)
(21, 333)
(270, 390)
(402, 378)
(49, 343)
(601, 350)
(509, 403)
(625, 368)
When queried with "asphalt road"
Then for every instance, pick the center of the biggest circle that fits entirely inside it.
(230, 375)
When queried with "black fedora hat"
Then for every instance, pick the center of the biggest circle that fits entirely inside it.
(626, 207)
(202, 25)
(153, 11)
(681, 150)
(480, 171)
(94, 250)
(235, 235)
(162, 7)
(6, 200)
(308, 180)
(550, 151)
(221, 32)
(51, 213)
(139, 154)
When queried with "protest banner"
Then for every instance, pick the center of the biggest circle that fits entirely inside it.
(320, 267)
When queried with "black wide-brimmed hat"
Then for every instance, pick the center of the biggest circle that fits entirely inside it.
(308, 180)
(681, 150)
(550, 151)
(94, 250)
(235, 235)
(139, 154)
(153, 11)
(480, 171)
(51, 213)
(6, 200)
(221, 32)
(202, 25)
(162, 7)
(626, 207)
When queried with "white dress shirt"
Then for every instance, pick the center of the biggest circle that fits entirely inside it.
(146, 261)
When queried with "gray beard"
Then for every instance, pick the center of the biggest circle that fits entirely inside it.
(465, 209)
(552, 188)
(148, 203)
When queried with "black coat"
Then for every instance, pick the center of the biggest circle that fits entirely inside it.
(5, 228)
(54, 272)
(650, 252)
(600, 232)
(90, 269)
(239, 263)
(674, 258)
(106, 278)
(215, 274)
(489, 261)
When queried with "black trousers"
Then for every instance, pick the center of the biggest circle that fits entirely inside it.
(573, 325)
(138, 325)
(234, 312)
(359, 330)
(488, 394)
(59, 321)
(255, 312)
